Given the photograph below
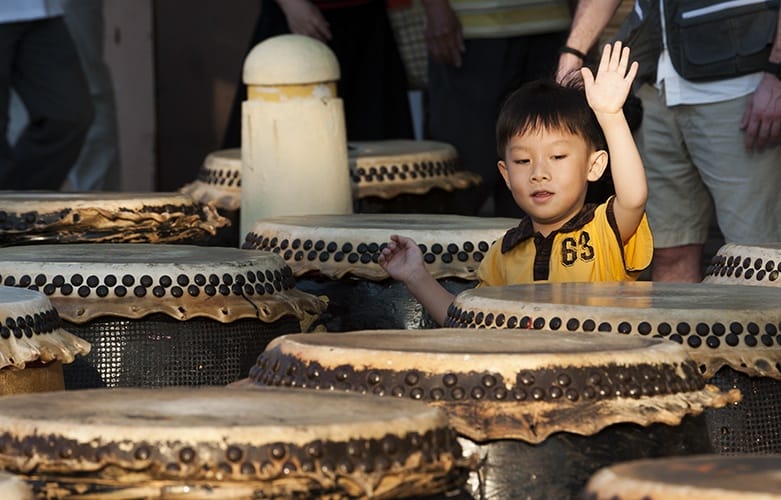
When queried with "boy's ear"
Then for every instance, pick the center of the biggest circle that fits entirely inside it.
(503, 170)
(597, 164)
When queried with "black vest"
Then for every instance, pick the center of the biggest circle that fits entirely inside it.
(707, 39)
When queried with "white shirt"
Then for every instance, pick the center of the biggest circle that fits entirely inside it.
(678, 90)
(29, 10)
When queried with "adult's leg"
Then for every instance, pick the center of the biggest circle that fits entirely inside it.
(463, 106)
(744, 184)
(271, 22)
(678, 264)
(679, 206)
(98, 165)
(48, 77)
(9, 35)
(373, 83)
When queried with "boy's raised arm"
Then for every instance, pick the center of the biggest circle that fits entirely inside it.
(606, 94)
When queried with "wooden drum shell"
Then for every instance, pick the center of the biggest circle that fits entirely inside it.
(32, 378)
(33, 344)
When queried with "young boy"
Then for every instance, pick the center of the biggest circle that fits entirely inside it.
(552, 141)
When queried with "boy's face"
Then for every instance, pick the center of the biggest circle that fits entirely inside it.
(548, 173)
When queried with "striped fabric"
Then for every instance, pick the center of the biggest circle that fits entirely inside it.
(408, 27)
(503, 18)
(339, 4)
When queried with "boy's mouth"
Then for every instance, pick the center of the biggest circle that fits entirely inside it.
(541, 195)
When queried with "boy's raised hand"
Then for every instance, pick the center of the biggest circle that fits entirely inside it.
(608, 91)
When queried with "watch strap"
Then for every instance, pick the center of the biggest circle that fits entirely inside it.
(773, 68)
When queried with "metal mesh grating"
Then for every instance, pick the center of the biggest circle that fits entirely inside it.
(754, 424)
(158, 351)
(560, 466)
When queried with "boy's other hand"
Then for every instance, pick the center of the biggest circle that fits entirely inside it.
(402, 258)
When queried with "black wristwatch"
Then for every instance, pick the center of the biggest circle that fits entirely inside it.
(773, 68)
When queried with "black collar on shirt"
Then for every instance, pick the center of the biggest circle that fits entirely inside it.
(524, 230)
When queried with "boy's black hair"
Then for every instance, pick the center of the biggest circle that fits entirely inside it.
(544, 104)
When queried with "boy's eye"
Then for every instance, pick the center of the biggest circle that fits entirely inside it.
(559, 157)
(522, 161)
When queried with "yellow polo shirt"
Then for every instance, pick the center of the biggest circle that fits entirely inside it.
(587, 248)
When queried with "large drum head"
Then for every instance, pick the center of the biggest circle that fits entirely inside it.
(269, 443)
(732, 332)
(31, 331)
(741, 477)
(499, 386)
(219, 180)
(736, 326)
(163, 315)
(337, 256)
(736, 264)
(134, 280)
(219, 183)
(386, 169)
(342, 245)
(105, 217)
(14, 488)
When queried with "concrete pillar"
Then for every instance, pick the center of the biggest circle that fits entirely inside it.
(293, 144)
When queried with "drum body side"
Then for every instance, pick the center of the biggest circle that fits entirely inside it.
(360, 304)
(754, 424)
(560, 466)
(157, 350)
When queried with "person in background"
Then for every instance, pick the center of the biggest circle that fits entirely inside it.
(98, 166)
(710, 132)
(373, 83)
(553, 141)
(38, 60)
(479, 52)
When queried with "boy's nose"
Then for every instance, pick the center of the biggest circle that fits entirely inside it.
(540, 172)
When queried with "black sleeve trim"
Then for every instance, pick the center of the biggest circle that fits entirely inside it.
(611, 220)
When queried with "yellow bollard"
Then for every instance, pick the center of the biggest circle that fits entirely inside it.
(293, 144)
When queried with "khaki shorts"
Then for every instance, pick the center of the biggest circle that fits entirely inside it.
(696, 165)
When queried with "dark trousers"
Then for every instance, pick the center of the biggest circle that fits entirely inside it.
(39, 61)
(464, 103)
(373, 82)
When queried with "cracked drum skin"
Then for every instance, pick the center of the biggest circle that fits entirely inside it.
(219, 182)
(43, 217)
